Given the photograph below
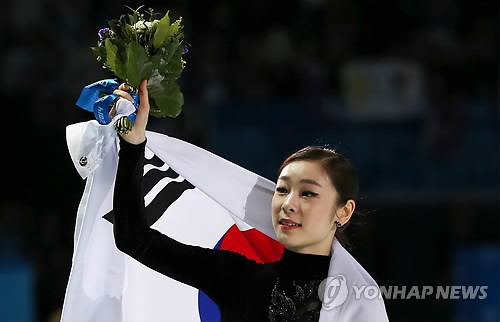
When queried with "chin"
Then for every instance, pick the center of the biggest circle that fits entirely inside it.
(282, 238)
(287, 241)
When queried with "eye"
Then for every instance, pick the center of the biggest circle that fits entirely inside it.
(281, 190)
(309, 194)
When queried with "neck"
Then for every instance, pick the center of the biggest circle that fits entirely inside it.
(303, 265)
(324, 247)
(310, 251)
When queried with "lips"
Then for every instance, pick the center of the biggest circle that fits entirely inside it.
(289, 223)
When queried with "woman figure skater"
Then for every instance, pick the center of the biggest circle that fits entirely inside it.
(313, 201)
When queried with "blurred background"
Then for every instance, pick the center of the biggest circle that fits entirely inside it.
(407, 90)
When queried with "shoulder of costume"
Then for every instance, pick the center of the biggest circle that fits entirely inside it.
(349, 266)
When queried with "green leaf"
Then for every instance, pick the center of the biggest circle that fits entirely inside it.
(123, 20)
(147, 70)
(172, 50)
(139, 65)
(132, 19)
(170, 102)
(166, 54)
(121, 52)
(160, 35)
(132, 35)
(171, 64)
(136, 58)
(155, 86)
(156, 60)
(156, 83)
(154, 109)
(100, 52)
(122, 45)
(111, 54)
(115, 25)
(96, 51)
(174, 28)
(114, 61)
(127, 32)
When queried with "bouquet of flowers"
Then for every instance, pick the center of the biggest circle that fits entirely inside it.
(134, 48)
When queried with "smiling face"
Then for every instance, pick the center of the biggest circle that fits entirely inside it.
(303, 208)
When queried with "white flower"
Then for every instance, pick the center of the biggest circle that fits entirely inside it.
(142, 26)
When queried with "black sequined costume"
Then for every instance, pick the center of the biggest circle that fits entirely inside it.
(243, 289)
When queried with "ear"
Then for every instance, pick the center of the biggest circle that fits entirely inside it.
(344, 213)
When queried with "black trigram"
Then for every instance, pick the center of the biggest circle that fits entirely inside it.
(170, 193)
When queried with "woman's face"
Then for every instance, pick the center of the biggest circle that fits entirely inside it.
(303, 208)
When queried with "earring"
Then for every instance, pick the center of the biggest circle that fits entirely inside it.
(338, 224)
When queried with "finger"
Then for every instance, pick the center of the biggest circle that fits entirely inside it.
(143, 112)
(123, 94)
(143, 91)
(124, 87)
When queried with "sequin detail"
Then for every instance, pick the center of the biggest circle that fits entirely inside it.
(296, 301)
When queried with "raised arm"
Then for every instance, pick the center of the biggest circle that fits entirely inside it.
(213, 271)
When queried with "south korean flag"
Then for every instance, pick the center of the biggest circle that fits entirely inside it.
(190, 195)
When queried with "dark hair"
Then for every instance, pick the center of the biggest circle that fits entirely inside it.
(342, 175)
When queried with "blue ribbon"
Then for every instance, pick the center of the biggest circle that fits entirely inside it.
(89, 100)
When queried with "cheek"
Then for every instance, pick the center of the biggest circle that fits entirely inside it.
(319, 216)
(275, 206)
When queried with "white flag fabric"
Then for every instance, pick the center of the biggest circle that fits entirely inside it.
(197, 198)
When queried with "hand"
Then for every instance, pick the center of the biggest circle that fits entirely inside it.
(138, 133)
(123, 92)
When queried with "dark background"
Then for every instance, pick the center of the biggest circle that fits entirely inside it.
(263, 79)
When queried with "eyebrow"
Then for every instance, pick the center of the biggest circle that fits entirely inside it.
(286, 178)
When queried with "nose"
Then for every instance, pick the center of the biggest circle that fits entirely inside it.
(289, 204)
(287, 209)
